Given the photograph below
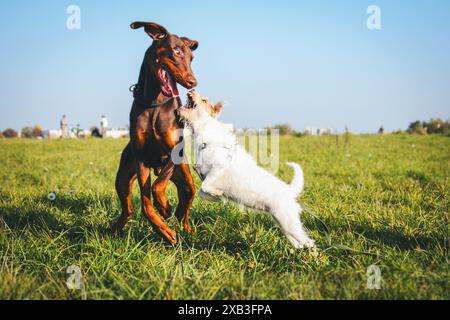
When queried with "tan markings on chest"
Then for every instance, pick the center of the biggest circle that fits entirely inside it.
(141, 138)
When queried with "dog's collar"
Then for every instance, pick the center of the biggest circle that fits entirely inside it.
(148, 103)
(155, 104)
(204, 145)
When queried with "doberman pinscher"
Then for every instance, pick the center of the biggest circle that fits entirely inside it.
(154, 132)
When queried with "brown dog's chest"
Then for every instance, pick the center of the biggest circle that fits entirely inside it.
(154, 132)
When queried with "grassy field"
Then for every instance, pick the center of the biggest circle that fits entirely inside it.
(373, 200)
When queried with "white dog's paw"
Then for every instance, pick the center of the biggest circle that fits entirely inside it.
(304, 243)
(309, 244)
(212, 192)
(207, 196)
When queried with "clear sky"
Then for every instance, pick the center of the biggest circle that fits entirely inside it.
(306, 63)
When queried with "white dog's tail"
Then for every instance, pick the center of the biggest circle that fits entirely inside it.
(297, 183)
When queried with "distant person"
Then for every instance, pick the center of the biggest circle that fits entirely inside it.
(78, 130)
(64, 127)
(103, 126)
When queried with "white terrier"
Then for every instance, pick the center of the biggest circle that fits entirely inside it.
(227, 170)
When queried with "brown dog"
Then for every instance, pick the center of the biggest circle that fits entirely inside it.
(154, 132)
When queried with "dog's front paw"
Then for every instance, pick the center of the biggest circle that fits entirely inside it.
(303, 243)
(187, 228)
(211, 191)
(207, 196)
(217, 193)
(309, 243)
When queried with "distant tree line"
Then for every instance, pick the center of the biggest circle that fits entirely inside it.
(285, 130)
(9, 133)
(32, 132)
(434, 126)
(27, 132)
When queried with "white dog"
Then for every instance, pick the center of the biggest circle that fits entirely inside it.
(227, 170)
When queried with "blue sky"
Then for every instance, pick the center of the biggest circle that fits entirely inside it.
(306, 63)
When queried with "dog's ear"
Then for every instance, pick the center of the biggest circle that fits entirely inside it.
(217, 108)
(192, 44)
(154, 30)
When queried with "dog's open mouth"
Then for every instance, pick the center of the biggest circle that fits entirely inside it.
(190, 103)
(186, 110)
(168, 85)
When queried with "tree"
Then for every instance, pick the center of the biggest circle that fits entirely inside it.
(32, 132)
(438, 126)
(434, 126)
(27, 132)
(417, 128)
(37, 131)
(10, 133)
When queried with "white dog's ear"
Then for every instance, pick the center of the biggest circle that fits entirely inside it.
(218, 108)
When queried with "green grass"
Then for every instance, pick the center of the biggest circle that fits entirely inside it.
(383, 200)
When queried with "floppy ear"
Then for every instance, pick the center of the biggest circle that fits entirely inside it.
(154, 30)
(192, 44)
(218, 107)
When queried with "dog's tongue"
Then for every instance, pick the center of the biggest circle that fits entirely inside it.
(168, 85)
(173, 86)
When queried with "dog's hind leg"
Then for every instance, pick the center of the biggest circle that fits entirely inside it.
(288, 218)
(186, 192)
(158, 222)
(125, 178)
(159, 189)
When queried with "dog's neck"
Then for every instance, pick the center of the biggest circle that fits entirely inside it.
(199, 125)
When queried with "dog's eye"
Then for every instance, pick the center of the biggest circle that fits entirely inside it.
(177, 51)
(204, 99)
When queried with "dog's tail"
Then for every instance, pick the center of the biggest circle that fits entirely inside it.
(298, 181)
